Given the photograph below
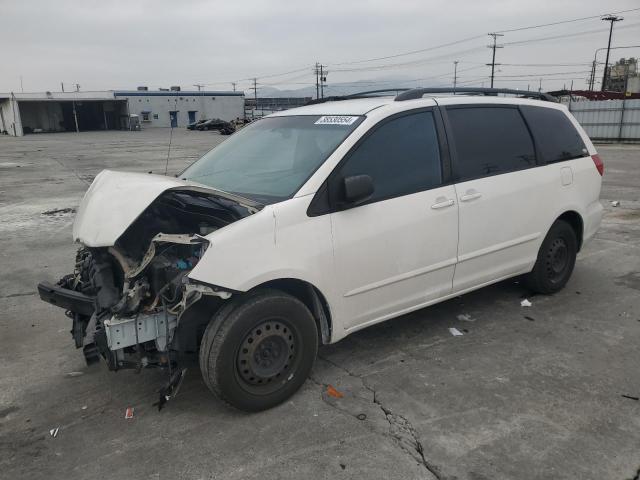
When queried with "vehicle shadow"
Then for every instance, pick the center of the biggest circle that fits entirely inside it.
(394, 338)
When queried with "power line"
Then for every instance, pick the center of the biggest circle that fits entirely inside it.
(467, 39)
(413, 52)
(564, 21)
(565, 35)
(545, 74)
(544, 64)
(275, 74)
(424, 61)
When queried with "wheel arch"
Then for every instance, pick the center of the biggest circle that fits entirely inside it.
(574, 219)
(313, 299)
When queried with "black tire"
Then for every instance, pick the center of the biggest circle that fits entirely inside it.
(258, 349)
(556, 259)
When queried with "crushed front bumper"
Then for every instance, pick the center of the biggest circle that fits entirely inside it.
(67, 299)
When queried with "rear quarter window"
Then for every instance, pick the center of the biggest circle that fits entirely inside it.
(556, 137)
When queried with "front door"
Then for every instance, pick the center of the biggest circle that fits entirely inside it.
(397, 251)
(173, 117)
(192, 115)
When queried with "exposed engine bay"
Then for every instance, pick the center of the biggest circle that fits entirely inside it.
(129, 301)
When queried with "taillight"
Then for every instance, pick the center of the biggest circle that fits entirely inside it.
(597, 161)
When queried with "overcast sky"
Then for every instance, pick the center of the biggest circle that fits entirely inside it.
(122, 44)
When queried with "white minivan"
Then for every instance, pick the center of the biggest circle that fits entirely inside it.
(315, 222)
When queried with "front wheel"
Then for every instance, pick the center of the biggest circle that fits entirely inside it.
(556, 259)
(259, 349)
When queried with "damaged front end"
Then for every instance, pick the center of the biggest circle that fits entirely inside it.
(132, 302)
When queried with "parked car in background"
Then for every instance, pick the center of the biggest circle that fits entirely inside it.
(194, 125)
(318, 221)
(224, 127)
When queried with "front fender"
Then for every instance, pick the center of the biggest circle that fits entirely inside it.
(280, 241)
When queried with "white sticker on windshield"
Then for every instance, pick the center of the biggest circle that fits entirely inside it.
(336, 120)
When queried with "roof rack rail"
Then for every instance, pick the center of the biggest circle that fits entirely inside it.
(367, 94)
(419, 92)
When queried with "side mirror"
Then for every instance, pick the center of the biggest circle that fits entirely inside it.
(357, 189)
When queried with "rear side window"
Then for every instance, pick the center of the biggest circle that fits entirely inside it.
(402, 156)
(490, 141)
(555, 135)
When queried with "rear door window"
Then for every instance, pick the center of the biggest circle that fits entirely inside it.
(489, 141)
(555, 135)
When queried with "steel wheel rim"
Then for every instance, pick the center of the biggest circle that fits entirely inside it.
(267, 356)
(557, 259)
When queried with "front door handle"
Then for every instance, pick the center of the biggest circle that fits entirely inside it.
(442, 202)
(470, 195)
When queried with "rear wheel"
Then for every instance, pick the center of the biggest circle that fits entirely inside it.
(556, 259)
(259, 349)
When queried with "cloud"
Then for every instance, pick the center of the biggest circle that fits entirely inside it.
(122, 44)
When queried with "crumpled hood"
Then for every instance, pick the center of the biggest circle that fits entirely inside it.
(115, 199)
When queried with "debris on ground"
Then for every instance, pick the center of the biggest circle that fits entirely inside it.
(74, 374)
(531, 319)
(59, 211)
(361, 416)
(631, 397)
(463, 317)
(332, 392)
(54, 432)
(615, 203)
(128, 413)
(455, 332)
(170, 390)
(84, 407)
(525, 303)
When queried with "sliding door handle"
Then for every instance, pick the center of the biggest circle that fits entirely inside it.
(470, 195)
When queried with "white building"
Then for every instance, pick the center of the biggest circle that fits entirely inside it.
(23, 113)
(179, 108)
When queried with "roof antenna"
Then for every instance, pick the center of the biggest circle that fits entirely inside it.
(175, 113)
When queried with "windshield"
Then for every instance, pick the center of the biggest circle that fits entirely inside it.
(269, 160)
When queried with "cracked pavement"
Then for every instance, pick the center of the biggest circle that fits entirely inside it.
(529, 393)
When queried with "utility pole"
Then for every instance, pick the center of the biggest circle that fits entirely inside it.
(77, 87)
(255, 95)
(321, 79)
(493, 57)
(540, 86)
(62, 85)
(455, 75)
(233, 84)
(592, 77)
(612, 19)
(626, 78)
(21, 89)
(198, 86)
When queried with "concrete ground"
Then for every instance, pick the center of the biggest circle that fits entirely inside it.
(549, 391)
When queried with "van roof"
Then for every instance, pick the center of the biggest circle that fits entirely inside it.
(356, 106)
(362, 106)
